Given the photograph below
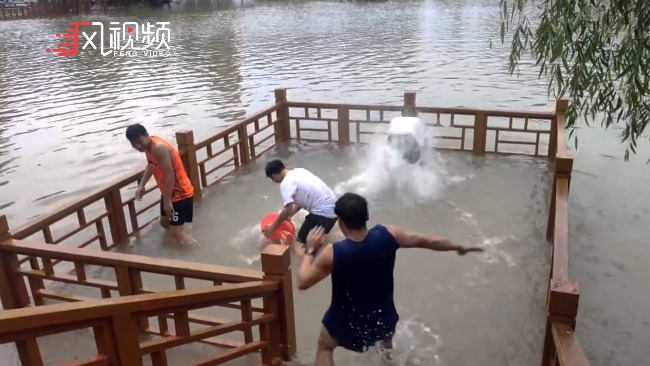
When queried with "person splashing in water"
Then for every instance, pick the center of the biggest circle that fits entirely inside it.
(166, 166)
(301, 189)
(407, 135)
(362, 312)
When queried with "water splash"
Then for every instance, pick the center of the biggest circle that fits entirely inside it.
(249, 242)
(414, 344)
(382, 168)
(494, 251)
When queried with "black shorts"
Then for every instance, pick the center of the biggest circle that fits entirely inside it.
(183, 211)
(311, 221)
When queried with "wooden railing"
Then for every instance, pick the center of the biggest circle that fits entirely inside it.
(561, 346)
(479, 131)
(111, 215)
(107, 275)
(115, 326)
(114, 219)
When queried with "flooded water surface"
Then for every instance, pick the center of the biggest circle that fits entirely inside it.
(445, 301)
(61, 136)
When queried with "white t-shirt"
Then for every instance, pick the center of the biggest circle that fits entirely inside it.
(306, 190)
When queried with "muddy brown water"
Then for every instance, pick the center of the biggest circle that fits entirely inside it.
(227, 60)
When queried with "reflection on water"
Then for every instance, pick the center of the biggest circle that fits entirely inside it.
(70, 113)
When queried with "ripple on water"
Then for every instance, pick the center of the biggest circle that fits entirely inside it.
(220, 69)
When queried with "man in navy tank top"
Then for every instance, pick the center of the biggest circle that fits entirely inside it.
(362, 313)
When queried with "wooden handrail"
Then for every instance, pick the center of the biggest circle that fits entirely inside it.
(282, 132)
(561, 347)
(112, 259)
(33, 226)
(273, 286)
(561, 109)
(560, 268)
(33, 318)
(37, 224)
(427, 109)
(232, 129)
(114, 323)
(569, 352)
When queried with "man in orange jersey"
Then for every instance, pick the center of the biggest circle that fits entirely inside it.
(166, 166)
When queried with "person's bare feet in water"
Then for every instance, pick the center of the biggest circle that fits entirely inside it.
(179, 233)
(187, 239)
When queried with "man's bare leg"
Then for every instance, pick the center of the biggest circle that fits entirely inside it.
(326, 346)
(182, 236)
(177, 232)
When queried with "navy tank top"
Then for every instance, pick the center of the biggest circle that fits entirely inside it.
(362, 310)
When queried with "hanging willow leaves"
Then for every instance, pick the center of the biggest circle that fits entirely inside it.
(595, 52)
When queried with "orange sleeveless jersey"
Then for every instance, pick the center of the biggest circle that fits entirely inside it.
(182, 185)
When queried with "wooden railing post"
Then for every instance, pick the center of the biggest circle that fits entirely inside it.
(185, 142)
(550, 225)
(116, 217)
(409, 109)
(562, 308)
(282, 128)
(563, 169)
(561, 107)
(14, 295)
(343, 117)
(127, 344)
(5, 233)
(244, 150)
(129, 282)
(276, 265)
(480, 134)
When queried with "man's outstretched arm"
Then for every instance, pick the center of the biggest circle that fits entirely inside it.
(406, 239)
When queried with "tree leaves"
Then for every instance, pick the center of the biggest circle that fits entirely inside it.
(597, 52)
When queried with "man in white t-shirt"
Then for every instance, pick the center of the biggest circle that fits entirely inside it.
(301, 189)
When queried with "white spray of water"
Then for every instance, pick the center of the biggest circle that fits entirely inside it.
(383, 168)
(493, 245)
(414, 344)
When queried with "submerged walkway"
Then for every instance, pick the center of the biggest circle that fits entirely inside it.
(492, 302)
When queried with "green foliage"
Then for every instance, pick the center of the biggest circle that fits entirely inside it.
(596, 52)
